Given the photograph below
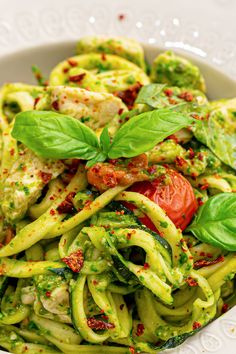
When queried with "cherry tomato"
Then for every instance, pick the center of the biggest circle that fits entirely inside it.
(173, 193)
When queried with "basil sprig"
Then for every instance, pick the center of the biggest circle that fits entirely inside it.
(215, 222)
(57, 136)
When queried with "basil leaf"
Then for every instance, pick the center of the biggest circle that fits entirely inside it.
(53, 135)
(143, 132)
(100, 157)
(105, 140)
(221, 143)
(216, 222)
(149, 94)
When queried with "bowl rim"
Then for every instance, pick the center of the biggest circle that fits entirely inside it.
(146, 46)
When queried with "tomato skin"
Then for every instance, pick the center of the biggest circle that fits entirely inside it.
(173, 193)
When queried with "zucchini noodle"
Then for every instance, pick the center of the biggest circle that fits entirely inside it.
(89, 265)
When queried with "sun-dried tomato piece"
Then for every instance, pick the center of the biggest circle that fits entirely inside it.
(75, 261)
(99, 324)
(205, 262)
(187, 96)
(77, 78)
(67, 206)
(140, 329)
(129, 96)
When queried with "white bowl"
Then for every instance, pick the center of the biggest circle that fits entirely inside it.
(219, 336)
(17, 66)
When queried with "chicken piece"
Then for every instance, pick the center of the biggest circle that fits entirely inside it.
(24, 183)
(95, 109)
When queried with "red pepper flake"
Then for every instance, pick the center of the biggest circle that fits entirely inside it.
(120, 111)
(45, 176)
(65, 70)
(37, 99)
(187, 96)
(151, 170)
(55, 105)
(96, 169)
(140, 329)
(180, 161)
(132, 350)
(99, 324)
(196, 116)
(191, 282)
(202, 254)
(196, 325)
(225, 308)
(67, 206)
(113, 161)
(12, 152)
(146, 266)
(200, 202)
(87, 204)
(103, 56)
(129, 96)
(209, 255)
(52, 211)
(77, 78)
(72, 62)
(129, 234)
(200, 156)
(173, 137)
(95, 282)
(191, 153)
(204, 186)
(48, 293)
(75, 261)
(172, 100)
(168, 92)
(205, 263)
(121, 17)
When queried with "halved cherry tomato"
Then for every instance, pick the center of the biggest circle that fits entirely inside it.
(173, 193)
